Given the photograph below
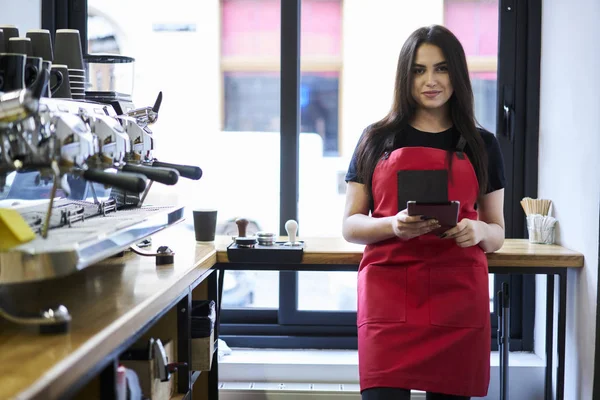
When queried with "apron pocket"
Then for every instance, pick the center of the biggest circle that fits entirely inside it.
(381, 294)
(458, 296)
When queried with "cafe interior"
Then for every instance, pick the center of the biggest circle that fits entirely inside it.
(201, 255)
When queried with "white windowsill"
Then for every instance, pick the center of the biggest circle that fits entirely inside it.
(318, 366)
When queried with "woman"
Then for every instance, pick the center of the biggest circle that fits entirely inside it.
(423, 300)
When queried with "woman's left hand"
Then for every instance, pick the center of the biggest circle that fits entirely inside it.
(466, 233)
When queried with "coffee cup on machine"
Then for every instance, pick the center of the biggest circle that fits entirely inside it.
(41, 43)
(20, 45)
(12, 72)
(205, 224)
(56, 79)
(62, 91)
(67, 48)
(33, 67)
(9, 31)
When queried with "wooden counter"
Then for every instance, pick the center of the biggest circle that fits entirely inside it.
(109, 302)
(514, 253)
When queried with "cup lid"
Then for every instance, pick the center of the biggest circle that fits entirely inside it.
(108, 59)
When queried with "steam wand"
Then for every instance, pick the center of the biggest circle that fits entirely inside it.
(56, 175)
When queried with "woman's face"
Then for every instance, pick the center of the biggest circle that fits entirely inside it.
(431, 87)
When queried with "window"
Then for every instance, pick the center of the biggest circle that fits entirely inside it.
(218, 64)
(476, 25)
(250, 65)
(315, 300)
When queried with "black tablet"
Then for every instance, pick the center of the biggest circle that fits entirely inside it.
(445, 212)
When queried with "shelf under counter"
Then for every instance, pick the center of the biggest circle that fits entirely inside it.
(110, 304)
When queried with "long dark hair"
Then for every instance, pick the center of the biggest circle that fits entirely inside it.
(378, 138)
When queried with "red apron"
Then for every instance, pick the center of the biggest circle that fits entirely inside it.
(423, 304)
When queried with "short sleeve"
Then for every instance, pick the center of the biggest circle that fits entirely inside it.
(351, 174)
(496, 174)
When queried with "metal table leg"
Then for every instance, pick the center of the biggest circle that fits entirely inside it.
(549, 335)
(215, 293)
(503, 337)
(562, 322)
(220, 294)
(184, 349)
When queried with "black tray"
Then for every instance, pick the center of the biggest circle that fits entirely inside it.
(276, 253)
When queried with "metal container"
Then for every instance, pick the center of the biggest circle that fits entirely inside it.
(266, 238)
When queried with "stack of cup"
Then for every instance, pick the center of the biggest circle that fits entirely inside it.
(41, 47)
(68, 53)
(36, 46)
(67, 75)
(20, 69)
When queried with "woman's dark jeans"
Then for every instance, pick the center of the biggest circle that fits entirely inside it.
(403, 394)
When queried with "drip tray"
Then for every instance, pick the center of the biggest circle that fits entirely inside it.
(86, 241)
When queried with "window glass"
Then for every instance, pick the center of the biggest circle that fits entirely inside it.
(364, 95)
(198, 54)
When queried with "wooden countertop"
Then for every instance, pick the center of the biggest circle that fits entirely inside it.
(514, 253)
(108, 302)
(111, 301)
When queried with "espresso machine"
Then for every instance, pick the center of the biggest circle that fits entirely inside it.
(85, 169)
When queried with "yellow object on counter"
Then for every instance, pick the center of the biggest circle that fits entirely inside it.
(14, 230)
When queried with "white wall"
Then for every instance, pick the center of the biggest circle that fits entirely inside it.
(569, 166)
(24, 14)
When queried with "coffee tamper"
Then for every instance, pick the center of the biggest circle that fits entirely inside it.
(241, 240)
(291, 227)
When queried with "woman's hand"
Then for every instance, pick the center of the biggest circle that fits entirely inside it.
(408, 227)
(466, 233)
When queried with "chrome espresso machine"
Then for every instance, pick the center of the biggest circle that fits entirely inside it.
(79, 172)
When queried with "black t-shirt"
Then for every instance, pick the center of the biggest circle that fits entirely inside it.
(447, 140)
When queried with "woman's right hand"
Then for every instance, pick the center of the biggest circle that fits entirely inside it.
(407, 227)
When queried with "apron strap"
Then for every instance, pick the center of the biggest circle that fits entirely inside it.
(460, 147)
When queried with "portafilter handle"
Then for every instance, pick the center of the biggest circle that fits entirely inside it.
(187, 171)
(166, 176)
(129, 182)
